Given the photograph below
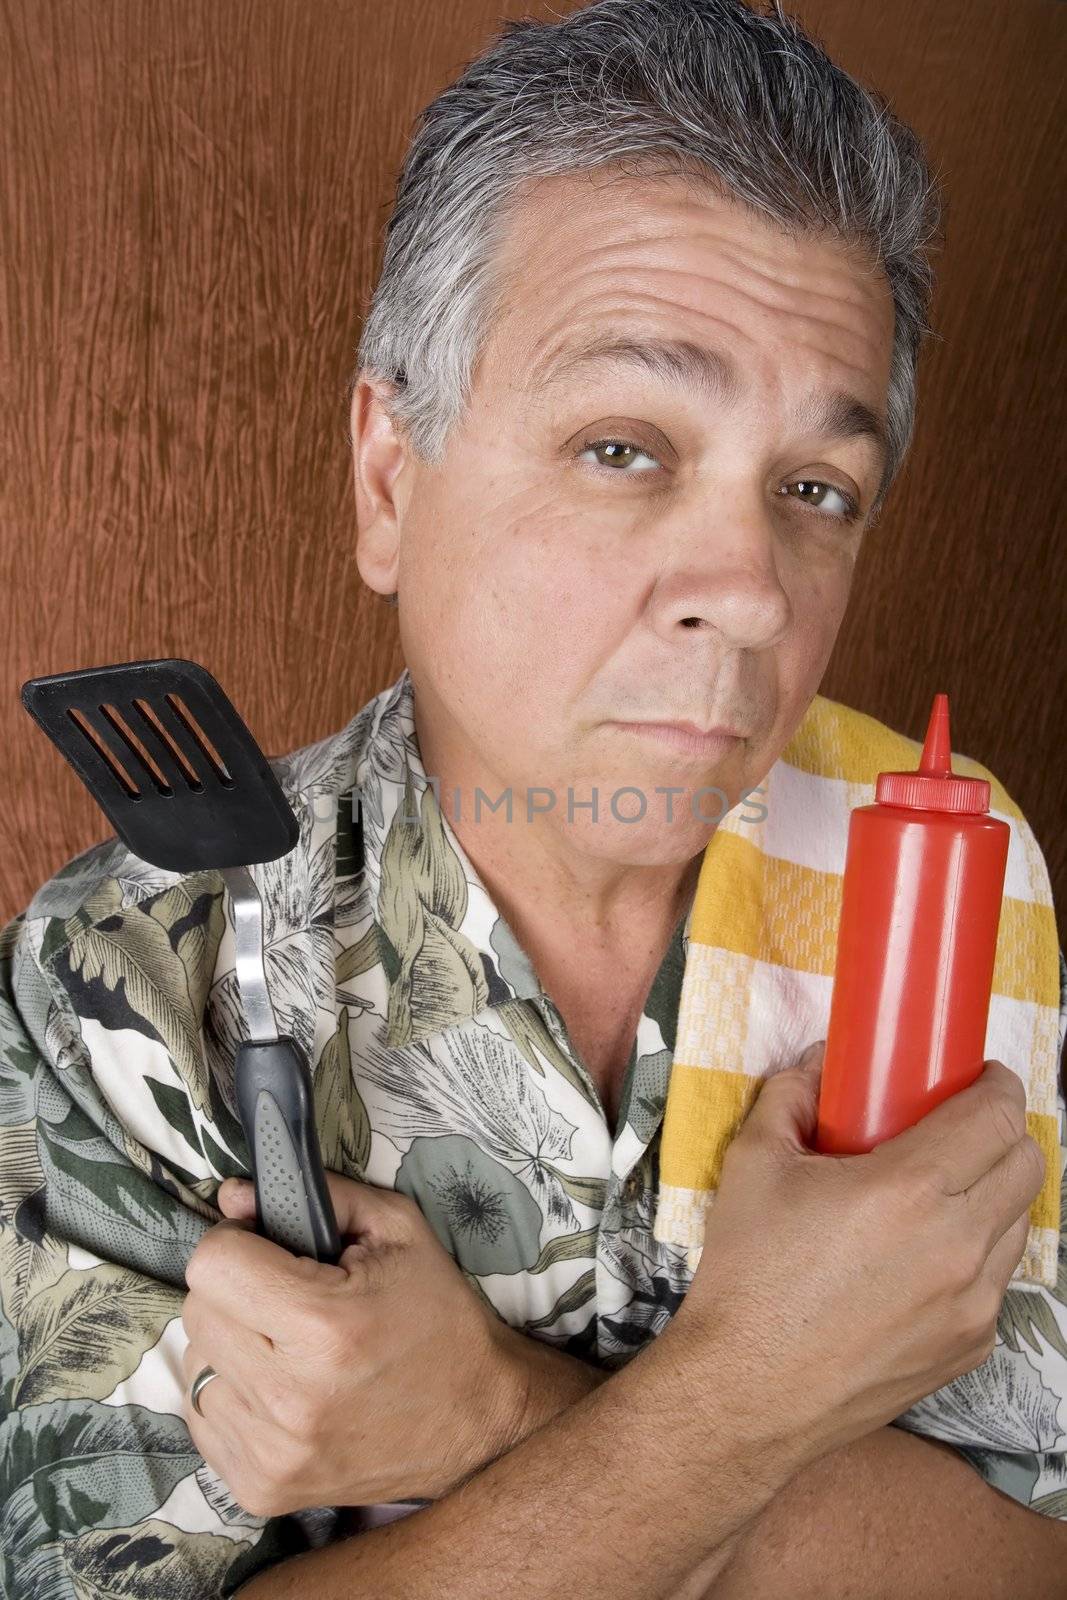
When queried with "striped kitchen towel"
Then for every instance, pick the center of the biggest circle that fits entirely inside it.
(759, 965)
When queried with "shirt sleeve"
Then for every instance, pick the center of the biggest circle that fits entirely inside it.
(1008, 1418)
(102, 1490)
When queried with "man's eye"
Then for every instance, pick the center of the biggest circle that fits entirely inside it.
(813, 492)
(619, 453)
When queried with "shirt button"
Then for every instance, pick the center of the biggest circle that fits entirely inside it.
(632, 1187)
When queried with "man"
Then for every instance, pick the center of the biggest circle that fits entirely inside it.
(488, 990)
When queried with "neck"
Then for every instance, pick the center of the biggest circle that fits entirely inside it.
(536, 879)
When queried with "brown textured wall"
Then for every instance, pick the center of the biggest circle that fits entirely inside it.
(192, 199)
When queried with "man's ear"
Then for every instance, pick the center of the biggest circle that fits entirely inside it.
(379, 455)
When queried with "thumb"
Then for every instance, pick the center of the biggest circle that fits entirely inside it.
(787, 1106)
(811, 1058)
(236, 1198)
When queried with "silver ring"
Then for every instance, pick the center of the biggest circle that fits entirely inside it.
(205, 1375)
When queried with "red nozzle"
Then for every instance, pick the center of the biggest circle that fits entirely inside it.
(937, 749)
(933, 786)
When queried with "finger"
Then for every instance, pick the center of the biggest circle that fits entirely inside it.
(254, 1377)
(239, 1352)
(224, 1428)
(367, 1214)
(1008, 1189)
(963, 1137)
(220, 1392)
(812, 1058)
(1006, 1255)
(364, 1213)
(786, 1106)
(259, 1284)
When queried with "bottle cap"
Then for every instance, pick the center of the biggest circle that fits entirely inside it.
(934, 786)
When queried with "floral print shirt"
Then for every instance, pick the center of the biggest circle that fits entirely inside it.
(441, 1068)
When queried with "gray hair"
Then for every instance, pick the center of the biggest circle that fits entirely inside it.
(711, 91)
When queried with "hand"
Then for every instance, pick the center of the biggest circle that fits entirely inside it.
(384, 1377)
(848, 1287)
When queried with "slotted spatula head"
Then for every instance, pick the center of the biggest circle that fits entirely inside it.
(169, 761)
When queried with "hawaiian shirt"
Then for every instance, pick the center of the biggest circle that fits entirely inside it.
(441, 1068)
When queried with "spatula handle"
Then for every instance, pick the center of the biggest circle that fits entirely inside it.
(275, 1100)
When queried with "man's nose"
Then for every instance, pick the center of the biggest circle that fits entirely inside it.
(727, 581)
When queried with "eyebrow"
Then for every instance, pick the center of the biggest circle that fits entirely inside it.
(713, 377)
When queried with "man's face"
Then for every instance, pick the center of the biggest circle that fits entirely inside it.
(554, 591)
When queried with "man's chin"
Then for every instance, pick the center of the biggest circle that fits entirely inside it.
(651, 842)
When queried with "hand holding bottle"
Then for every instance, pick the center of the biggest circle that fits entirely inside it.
(839, 1290)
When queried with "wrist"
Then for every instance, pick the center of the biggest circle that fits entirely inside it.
(492, 1413)
(533, 1383)
(551, 1381)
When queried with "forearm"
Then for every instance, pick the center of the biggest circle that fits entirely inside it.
(546, 1382)
(892, 1514)
(555, 1513)
(885, 1488)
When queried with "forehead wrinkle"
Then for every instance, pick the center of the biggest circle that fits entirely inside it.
(708, 371)
(774, 286)
(845, 303)
(845, 280)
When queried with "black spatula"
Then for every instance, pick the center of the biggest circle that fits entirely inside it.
(164, 754)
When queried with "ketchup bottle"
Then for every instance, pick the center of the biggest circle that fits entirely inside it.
(916, 943)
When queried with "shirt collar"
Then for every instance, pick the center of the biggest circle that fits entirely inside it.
(447, 951)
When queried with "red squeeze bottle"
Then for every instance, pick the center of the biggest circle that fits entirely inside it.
(916, 943)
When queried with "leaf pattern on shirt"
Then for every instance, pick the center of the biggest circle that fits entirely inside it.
(130, 956)
(421, 904)
(1003, 1403)
(529, 1031)
(658, 1282)
(164, 1562)
(385, 760)
(1027, 1318)
(329, 762)
(85, 1333)
(340, 1115)
(481, 1212)
(473, 1083)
